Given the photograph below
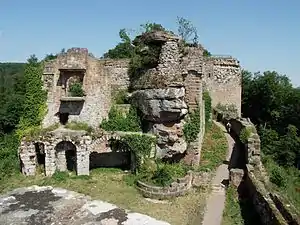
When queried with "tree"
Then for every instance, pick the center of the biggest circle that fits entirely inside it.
(148, 27)
(187, 31)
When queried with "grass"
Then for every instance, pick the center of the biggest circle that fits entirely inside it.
(214, 149)
(288, 182)
(110, 185)
(79, 126)
(232, 212)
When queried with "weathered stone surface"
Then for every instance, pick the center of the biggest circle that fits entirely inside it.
(155, 36)
(170, 139)
(161, 105)
(236, 176)
(48, 205)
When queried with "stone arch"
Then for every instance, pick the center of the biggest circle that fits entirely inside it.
(66, 156)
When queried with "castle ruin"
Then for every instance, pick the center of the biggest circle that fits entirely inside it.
(164, 94)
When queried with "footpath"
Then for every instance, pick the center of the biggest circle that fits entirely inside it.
(216, 201)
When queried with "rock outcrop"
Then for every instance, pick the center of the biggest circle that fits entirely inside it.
(160, 95)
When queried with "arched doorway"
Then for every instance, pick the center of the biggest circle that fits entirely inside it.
(40, 156)
(66, 156)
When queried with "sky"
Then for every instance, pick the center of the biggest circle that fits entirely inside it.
(261, 34)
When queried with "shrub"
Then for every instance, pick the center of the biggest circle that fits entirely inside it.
(76, 90)
(163, 176)
(245, 134)
(118, 122)
(278, 176)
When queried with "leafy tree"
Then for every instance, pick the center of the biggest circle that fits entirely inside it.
(187, 31)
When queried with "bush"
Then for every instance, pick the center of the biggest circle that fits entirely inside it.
(118, 122)
(163, 176)
(9, 161)
(278, 176)
(76, 90)
(245, 134)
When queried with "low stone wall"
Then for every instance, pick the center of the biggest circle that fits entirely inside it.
(270, 206)
(270, 213)
(177, 188)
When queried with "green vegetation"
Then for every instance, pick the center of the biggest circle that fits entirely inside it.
(245, 134)
(120, 97)
(208, 108)
(191, 129)
(232, 212)
(76, 90)
(117, 121)
(272, 104)
(214, 149)
(79, 126)
(110, 185)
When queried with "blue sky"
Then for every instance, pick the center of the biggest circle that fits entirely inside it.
(262, 34)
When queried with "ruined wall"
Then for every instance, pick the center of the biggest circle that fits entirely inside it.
(100, 78)
(222, 77)
(253, 179)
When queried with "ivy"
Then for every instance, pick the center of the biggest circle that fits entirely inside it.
(192, 128)
(140, 144)
(208, 108)
(117, 121)
(35, 97)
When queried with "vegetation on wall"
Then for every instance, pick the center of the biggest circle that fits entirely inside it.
(120, 97)
(245, 134)
(208, 108)
(191, 128)
(76, 89)
(117, 121)
(34, 107)
(229, 111)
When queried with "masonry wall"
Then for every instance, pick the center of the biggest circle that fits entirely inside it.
(222, 77)
(100, 79)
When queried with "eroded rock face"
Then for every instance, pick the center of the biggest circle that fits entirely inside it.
(160, 96)
(170, 139)
(161, 105)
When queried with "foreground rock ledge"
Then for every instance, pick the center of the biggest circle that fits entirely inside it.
(37, 205)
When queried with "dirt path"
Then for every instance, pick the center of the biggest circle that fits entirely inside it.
(216, 201)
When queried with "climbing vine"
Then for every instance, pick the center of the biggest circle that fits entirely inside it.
(117, 121)
(208, 108)
(76, 89)
(35, 97)
(192, 128)
(140, 144)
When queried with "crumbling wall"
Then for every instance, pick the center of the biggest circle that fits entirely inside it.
(253, 179)
(94, 106)
(222, 77)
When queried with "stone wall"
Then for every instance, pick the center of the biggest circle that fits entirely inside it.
(253, 179)
(100, 78)
(84, 147)
(222, 77)
(178, 188)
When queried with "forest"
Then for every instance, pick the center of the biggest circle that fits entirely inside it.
(268, 99)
